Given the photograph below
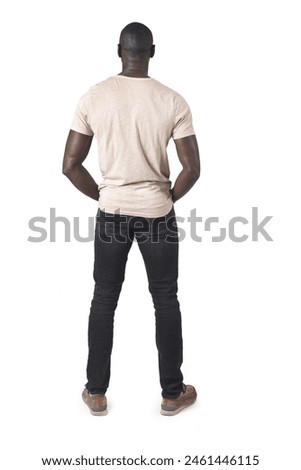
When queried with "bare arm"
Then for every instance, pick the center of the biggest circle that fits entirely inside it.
(77, 149)
(188, 153)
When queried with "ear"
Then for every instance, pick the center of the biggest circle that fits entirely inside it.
(119, 50)
(152, 51)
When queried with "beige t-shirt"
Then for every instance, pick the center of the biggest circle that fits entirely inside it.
(133, 120)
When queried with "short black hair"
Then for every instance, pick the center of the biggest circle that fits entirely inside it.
(136, 38)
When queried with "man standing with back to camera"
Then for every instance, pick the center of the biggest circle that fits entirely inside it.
(133, 117)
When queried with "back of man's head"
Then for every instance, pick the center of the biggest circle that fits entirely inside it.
(136, 38)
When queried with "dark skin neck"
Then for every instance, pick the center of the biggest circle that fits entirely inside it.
(133, 68)
(134, 65)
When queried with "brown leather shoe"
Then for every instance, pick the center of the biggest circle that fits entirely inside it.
(173, 406)
(97, 404)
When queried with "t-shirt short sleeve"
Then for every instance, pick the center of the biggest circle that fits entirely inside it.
(183, 126)
(81, 116)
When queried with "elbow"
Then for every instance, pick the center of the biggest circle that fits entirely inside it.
(67, 169)
(197, 174)
(194, 173)
(197, 170)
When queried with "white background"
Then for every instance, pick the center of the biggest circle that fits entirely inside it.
(237, 63)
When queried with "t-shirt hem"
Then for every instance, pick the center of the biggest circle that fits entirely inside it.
(185, 134)
(77, 129)
(143, 212)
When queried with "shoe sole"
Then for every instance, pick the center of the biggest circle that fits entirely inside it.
(176, 411)
(98, 413)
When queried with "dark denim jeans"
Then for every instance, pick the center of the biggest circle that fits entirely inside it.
(158, 243)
